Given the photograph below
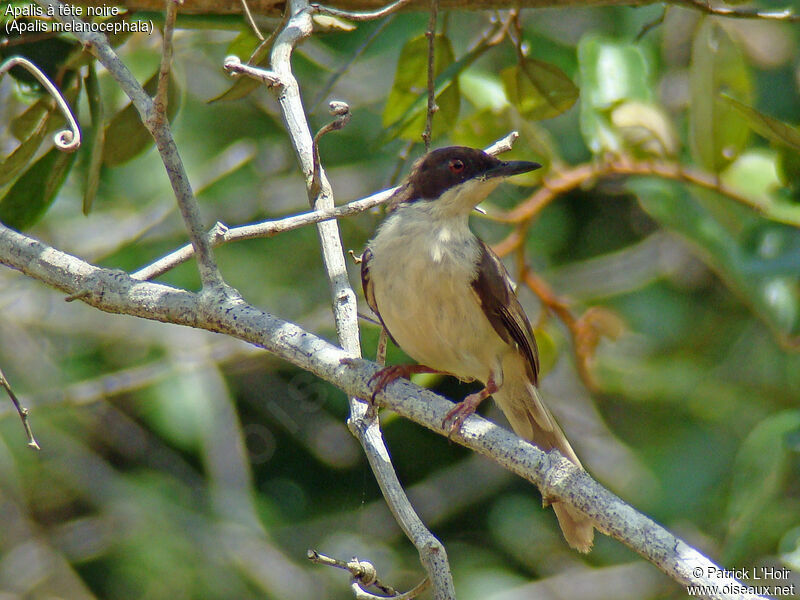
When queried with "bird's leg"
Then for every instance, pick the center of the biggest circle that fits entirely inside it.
(388, 374)
(459, 413)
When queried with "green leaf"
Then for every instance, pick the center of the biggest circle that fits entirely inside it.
(611, 73)
(483, 90)
(243, 44)
(33, 193)
(538, 89)
(125, 136)
(774, 130)
(15, 162)
(717, 131)
(759, 475)
(788, 168)
(24, 124)
(97, 113)
(411, 84)
(757, 259)
(645, 129)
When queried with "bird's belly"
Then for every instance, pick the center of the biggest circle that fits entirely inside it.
(433, 314)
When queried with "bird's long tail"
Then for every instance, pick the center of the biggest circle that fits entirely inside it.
(531, 420)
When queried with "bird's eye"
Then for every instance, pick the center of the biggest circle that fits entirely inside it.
(456, 165)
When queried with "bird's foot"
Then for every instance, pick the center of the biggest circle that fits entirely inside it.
(388, 374)
(461, 411)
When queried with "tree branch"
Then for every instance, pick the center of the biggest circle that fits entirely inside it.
(739, 13)
(221, 234)
(557, 478)
(361, 16)
(574, 177)
(363, 421)
(23, 412)
(264, 7)
(98, 45)
(432, 108)
(161, 97)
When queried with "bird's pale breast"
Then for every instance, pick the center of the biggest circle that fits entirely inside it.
(432, 269)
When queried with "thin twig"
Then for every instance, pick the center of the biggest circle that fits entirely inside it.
(360, 593)
(561, 309)
(23, 412)
(574, 177)
(739, 13)
(402, 157)
(162, 92)
(647, 27)
(360, 16)
(374, 34)
(365, 575)
(235, 66)
(221, 234)
(565, 181)
(251, 21)
(503, 144)
(432, 108)
(341, 111)
(363, 421)
(261, 50)
(98, 45)
(69, 139)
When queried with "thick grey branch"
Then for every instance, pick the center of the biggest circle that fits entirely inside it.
(557, 478)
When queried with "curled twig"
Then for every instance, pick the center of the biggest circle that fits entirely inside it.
(340, 110)
(364, 575)
(23, 412)
(69, 139)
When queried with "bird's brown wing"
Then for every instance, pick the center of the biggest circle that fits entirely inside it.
(519, 400)
(495, 294)
(369, 290)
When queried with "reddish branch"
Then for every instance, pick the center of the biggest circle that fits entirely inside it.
(595, 323)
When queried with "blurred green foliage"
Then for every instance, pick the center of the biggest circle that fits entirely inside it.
(180, 464)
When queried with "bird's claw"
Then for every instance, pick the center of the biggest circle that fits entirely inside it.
(385, 376)
(456, 417)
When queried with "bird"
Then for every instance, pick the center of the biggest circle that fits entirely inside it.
(446, 299)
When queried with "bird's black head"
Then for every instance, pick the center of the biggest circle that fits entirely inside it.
(445, 168)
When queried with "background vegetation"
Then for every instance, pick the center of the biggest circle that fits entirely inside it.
(181, 464)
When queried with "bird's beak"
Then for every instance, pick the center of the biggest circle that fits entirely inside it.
(512, 167)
